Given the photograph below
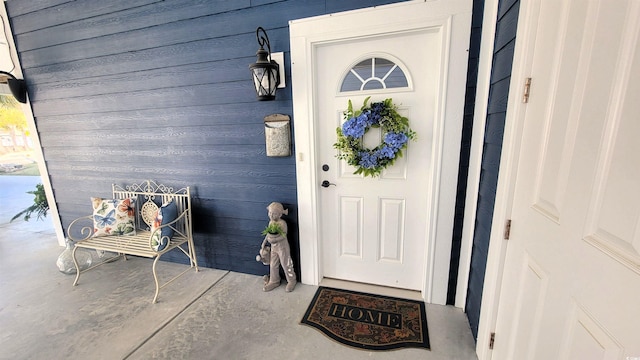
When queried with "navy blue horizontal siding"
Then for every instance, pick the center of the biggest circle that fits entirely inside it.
(124, 91)
(494, 130)
(29, 17)
(109, 21)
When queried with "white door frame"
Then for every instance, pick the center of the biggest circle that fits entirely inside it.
(28, 114)
(521, 68)
(305, 37)
(477, 145)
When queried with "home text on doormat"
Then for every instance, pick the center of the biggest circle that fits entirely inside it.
(367, 321)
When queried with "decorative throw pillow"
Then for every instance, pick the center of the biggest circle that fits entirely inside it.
(113, 216)
(166, 214)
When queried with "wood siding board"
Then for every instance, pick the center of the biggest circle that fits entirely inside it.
(225, 71)
(16, 8)
(67, 12)
(484, 213)
(141, 17)
(491, 158)
(494, 129)
(199, 115)
(248, 210)
(219, 191)
(256, 3)
(220, 255)
(245, 134)
(265, 175)
(483, 229)
(208, 94)
(231, 226)
(501, 68)
(499, 95)
(215, 154)
(505, 6)
(250, 192)
(506, 26)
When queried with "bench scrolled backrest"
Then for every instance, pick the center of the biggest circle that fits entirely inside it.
(150, 196)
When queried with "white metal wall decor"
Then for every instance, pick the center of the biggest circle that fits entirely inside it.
(277, 131)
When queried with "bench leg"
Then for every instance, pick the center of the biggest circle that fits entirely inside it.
(192, 254)
(75, 262)
(155, 278)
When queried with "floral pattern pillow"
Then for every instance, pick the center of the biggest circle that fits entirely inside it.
(113, 216)
(167, 213)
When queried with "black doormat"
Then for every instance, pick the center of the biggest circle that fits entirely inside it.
(366, 321)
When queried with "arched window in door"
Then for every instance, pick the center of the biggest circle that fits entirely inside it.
(374, 73)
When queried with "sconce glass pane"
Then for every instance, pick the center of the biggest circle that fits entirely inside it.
(264, 81)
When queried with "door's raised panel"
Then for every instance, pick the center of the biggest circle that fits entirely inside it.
(392, 225)
(399, 169)
(587, 339)
(614, 213)
(620, 190)
(351, 226)
(526, 324)
(565, 94)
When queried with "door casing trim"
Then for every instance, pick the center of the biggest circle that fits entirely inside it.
(305, 36)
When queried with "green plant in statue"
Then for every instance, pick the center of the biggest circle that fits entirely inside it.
(273, 228)
(39, 208)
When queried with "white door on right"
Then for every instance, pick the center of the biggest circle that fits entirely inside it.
(571, 284)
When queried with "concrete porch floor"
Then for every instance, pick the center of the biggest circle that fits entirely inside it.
(212, 314)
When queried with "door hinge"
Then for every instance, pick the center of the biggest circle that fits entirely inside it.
(492, 340)
(527, 90)
(507, 229)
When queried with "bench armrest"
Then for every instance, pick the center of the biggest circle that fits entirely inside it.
(158, 231)
(77, 227)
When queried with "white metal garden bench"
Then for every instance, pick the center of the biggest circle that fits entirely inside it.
(149, 197)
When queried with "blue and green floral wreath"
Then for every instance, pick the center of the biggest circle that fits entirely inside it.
(396, 135)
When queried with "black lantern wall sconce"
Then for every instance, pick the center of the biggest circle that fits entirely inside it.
(18, 87)
(267, 74)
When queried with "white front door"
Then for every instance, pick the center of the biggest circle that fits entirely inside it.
(394, 230)
(571, 287)
(374, 230)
